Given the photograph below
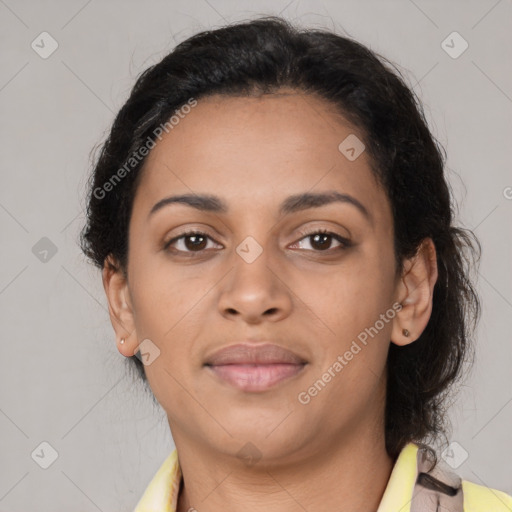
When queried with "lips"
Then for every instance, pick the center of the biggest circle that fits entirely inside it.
(254, 368)
(245, 353)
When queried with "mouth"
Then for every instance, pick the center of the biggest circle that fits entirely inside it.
(254, 368)
(254, 378)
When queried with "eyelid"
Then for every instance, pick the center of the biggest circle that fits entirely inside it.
(327, 227)
(344, 241)
(186, 233)
(315, 230)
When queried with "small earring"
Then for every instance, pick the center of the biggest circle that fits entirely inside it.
(405, 332)
(122, 341)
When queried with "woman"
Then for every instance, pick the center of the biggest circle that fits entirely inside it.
(275, 232)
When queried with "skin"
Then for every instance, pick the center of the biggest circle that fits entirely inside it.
(314, 300)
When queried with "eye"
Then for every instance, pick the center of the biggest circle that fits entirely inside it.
(190, 242)
(193, 241)
(322, 240)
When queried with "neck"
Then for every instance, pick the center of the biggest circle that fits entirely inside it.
(353, 475)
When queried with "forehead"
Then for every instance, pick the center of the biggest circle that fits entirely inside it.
(256, 150)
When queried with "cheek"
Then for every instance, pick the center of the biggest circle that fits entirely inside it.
(170, 310)
(349, 306)
(346, 300)
(162, 296)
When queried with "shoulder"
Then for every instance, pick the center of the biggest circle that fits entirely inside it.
(479, 498)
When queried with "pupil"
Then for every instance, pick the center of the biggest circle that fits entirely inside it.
(194, 239)
(323, 237)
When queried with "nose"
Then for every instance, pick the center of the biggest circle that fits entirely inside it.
(255, 291)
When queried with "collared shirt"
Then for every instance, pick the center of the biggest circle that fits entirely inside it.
(411, 488)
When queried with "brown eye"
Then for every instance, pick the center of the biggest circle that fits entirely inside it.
(322, 240)
(195, 242)
(190, 242)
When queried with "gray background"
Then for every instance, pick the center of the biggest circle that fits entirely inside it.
(62, 379)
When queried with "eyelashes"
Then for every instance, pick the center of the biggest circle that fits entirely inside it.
(183, 236)
(322, 233)
(199, 239)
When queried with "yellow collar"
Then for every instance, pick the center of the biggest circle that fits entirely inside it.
(161, 495)
(411, 488)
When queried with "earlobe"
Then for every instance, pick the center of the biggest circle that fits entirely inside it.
(119, 306)
(415, 293)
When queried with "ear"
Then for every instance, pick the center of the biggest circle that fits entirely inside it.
(415, 291)
(120, 308)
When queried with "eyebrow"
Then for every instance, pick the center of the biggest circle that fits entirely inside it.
(292, 204)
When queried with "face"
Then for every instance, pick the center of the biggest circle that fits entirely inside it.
(263, 266)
